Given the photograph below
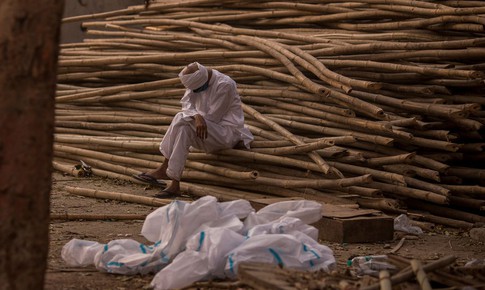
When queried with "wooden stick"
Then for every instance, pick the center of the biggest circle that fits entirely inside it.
(403, 158)
(96, 217)
(385, 280)
(408, 274)
(420, 275)
(151, 201)
(320, 162)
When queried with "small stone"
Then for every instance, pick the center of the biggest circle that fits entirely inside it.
(387, 246)
(478, 234)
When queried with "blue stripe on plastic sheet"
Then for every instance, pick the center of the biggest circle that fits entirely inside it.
(164, 257)
(143, 249)
(306, 249)
(115, 264)
(276, 256)
(201, 240)
(231, 263)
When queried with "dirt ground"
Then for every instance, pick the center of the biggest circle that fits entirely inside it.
(433, 244)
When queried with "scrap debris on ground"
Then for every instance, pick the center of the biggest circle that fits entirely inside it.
(435, 243)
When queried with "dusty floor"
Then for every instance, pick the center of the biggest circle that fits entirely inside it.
(433, 244)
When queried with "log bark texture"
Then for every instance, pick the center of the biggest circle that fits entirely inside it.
(29, 45)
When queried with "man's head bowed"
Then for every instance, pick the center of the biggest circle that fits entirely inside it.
(194, 76)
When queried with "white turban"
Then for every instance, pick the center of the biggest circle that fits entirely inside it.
(196, 79)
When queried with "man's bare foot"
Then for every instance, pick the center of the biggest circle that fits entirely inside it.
(174, 187)
(160, 172)
(171, 191)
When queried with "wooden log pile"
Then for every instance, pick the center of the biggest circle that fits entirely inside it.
(369, 101)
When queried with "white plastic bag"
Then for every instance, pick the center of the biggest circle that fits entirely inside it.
(403, 223)
(169, 227)
(80, 253)
(126, 256)
(290, 251)
(229, 222)
(284, 225)
(204, 258)
(240, 208)
(162, 218)
(369, 265)
(307, 211)
(205, 239)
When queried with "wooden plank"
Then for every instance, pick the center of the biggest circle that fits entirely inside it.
(363, 229)
(335, 211)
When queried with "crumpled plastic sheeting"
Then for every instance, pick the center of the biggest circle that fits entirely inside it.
(80, 253)
(403, 223)
(284, 224)
(295, 250)
(203, 259)
(306, 210)
(169, 227)
(206, 239)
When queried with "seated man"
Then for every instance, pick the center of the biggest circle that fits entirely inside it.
(211, 119)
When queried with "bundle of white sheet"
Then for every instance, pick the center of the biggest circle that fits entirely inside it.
(206, 239)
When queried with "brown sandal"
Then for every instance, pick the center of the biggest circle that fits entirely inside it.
(143, 177)
(166, 194)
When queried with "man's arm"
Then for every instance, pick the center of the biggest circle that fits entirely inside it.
(200, 126)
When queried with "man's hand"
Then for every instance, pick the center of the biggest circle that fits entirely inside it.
(201, 126)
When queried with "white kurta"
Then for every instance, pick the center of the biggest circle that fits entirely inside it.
(220, 105)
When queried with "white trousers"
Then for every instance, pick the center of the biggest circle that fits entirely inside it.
(182, 134)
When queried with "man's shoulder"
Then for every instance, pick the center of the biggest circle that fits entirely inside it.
(224, 80)
(222, 77)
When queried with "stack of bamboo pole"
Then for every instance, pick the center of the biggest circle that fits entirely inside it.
(369, 101)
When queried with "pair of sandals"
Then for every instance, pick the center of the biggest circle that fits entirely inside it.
(148, 179)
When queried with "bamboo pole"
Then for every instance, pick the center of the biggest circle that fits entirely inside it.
(473, 190)
(319, 161)
(72, 170)
(447, 212)
(411, 192)
(95, 217)
(288, 183)
(403, 158)
(408, 273)
(449, 222)
(117, 92)
(420, 275)
(326, 115)
(422, 172)
(117, 89)
(303, 80)
(151, 201)
(223, 171)
(336, 132)
(126, 144)
(288, 150)
(385, 280)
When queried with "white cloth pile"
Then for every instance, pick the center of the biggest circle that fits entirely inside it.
(206, 239)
